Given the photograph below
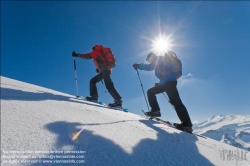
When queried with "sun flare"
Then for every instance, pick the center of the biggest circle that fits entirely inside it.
(161, 45)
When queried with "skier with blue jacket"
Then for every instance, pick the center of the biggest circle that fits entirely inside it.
(165, 70)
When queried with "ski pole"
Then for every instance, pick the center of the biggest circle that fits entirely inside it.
(103, 86)
(76, 79)
(168, 101)
(105, 91)
(142, 88)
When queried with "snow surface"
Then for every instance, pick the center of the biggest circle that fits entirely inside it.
(34, 118)
(230, 129)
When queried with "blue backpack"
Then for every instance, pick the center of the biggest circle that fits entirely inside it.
(175, 64)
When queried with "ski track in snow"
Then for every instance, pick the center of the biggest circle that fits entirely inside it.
(39, 119)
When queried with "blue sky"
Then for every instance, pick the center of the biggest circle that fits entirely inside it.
(211, 39)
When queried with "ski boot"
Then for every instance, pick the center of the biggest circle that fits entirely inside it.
(117, 104)
(153, 113)
(92, 99)
(180, 126)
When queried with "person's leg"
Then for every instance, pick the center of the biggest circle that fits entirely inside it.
(109, 85)
(152, 98)
(175, 100)
(92, 84)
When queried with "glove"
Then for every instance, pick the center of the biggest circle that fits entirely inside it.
(97, 70)
(136, 66)
(74, 54)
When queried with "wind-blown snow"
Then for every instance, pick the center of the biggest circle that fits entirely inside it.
(39, 119)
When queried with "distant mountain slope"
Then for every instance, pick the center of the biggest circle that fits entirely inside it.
(231, 129)
(40, 123)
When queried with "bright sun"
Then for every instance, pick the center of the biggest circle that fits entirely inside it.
(161, 45)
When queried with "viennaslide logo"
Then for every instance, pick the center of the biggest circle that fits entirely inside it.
(233, 155)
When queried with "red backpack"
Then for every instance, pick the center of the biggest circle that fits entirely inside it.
(109, 57)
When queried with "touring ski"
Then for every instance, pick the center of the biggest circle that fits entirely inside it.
(103, 104)
(118, 108)
(169, 124)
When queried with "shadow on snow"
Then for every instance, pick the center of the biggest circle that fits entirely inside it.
(167, 149)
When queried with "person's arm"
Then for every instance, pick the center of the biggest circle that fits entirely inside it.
(147, 67)
(85, 56)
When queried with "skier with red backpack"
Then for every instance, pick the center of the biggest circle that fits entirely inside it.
(168, 69)
(104, 60)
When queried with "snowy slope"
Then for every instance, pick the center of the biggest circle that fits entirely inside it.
(38, 122)
(230, 129)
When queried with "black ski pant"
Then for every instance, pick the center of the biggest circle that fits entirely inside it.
(105, 75)
(174, 99)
